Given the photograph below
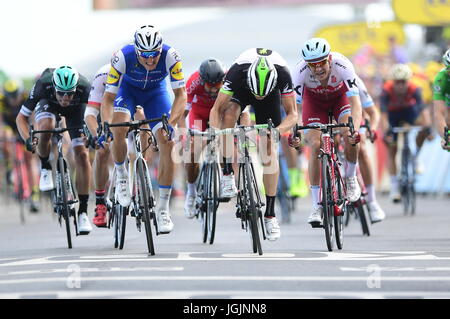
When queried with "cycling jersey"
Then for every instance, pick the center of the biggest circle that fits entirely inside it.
(98, 85)
(42, 100)
(134, 85)
(342, 80)
(318, 101)
(441, 87)
(199, 102)
(235, 85)
(10, 112)
(392, 102)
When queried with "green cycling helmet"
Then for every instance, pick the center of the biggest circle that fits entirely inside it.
(65, 78)
(261, 77)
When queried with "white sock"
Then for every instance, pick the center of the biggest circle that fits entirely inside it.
(121, 170)
(371, 193)
(191, 189)
(315, 195)
(164, 197)
(350, 169)
(394, 182)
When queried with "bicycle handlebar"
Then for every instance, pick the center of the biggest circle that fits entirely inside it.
(134, 125)
(405, 129)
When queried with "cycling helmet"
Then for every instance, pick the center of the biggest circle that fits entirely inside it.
(261, 77)
(147, 38)
(211, 71)
(446, 58)
(12, 88)
(401, 72)
(65, 78)
(315, 50)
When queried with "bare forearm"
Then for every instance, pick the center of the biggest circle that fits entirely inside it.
(107, 108)
(440, 115)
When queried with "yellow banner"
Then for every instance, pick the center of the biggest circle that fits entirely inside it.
(349, 38)
(425, 12)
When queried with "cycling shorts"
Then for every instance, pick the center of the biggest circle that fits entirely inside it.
(199, 118)
(155, 102)
(408, 115)
(316, 110)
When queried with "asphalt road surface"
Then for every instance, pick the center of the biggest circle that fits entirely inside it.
(405, 257)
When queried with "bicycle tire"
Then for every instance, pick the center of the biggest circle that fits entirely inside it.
(363, 218)
(252, 213)
(204, 202)
(213, 201)
(339, 220)
(328, 211)
(120, 224)
(143, 199)
(20, 192)
(63, 200)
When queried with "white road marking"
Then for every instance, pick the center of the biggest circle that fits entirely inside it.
(365, 269)
(227, 278)
(190, 256)
(105, 269)
(266, 255)
(233, 294)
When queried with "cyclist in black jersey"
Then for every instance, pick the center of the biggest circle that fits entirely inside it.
(10, 103)
(61, 92)
(260, 78)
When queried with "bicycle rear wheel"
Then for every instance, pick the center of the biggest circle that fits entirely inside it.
(362, 217)
(213, 201)
(327, 204)
(143, 194)
(202, 192)
(252, 214)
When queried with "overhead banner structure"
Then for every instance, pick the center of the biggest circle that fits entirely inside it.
(349, 38)
(424, 12)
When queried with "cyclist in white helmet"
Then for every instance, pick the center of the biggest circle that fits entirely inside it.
(326, 82)
(260, 78)
(137, 77)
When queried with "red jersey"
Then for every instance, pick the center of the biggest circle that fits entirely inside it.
(390, 102)
(197, 98)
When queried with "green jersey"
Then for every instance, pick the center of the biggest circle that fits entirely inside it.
(441, 87)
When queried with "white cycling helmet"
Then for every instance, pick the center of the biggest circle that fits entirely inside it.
(401, 72)
(446, 58)
(315, 50)
(147, 38)
(262, 77)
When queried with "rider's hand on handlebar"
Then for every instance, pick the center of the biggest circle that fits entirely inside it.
(445, 145)
(355, 138)
(31, 144)
(295, 142)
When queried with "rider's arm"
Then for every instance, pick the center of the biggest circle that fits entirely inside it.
(36, 93)
(113, 81)
(374, 116)
(286, 87)
(22, 126)
(178, 106)
(356, 109)
(291, 114)
(440, 113)
(219, 106)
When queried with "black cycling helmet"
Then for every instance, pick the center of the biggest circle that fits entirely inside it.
(212, 71)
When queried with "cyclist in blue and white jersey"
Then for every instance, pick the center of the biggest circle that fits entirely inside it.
(137, 77)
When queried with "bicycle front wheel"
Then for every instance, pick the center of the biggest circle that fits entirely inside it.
(252, 213)
(144, 204)
(213, 201)
(62, 201)
(327, 203)
(120, 224)
(339, 219)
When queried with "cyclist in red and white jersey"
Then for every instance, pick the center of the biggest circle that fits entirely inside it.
(326, 82)
(202, 88)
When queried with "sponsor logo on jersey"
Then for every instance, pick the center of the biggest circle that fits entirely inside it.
(176, 72)
(263, 52)
(437, 88)
(333, 79)
(303, 69)
(340, 65)
(287, 89)
(226, 86)
(113, 77)
(352, 83)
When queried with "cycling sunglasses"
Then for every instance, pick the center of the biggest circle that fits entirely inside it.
(63, 93)
(217, 85)
(314, 65)
(149, 54)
